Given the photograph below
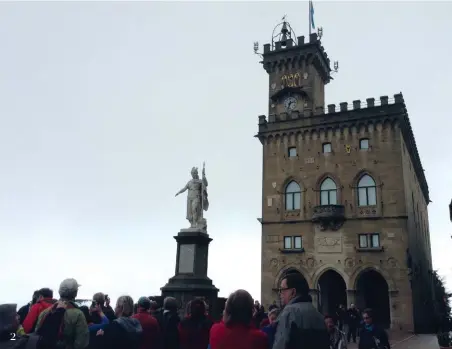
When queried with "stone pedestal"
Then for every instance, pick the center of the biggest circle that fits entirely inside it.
(190, 279)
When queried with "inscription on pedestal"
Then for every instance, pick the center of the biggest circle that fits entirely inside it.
(186, 258)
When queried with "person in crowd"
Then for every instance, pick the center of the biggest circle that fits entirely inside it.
(108, 310)
(337, 337)
(270, 329)
(266, 320)
(154, 308)
(23, 311)
(236, 331)
(353, 322)
(9, 323)
(151, 330)
(299, 325)
(95, 323)
(341, 315)
(169, 323)
(124, 332)
(361, 322)
(98, 320)
(258, 314)
(372, 336)
(135, 308)
(44, 301)
(104, 302)
(194, 330)
(75, 333)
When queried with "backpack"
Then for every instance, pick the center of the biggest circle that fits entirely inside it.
(50, 332)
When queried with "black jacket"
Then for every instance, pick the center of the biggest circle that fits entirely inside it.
(122, 333)
(369, 337)
(169, 325)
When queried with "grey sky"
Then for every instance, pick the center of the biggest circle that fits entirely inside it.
(105, 107)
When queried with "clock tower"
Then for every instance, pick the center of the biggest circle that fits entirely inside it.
(298, 72)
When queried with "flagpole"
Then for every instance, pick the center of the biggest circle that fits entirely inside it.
(309, 14)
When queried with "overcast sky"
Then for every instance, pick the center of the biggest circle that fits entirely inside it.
(105, 107)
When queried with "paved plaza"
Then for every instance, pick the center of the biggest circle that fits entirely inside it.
(408, 341)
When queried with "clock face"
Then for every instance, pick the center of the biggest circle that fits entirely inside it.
(290, 103)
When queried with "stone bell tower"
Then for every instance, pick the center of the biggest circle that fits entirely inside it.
(298, 71)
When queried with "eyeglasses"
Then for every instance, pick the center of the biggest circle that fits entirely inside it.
(281, 290)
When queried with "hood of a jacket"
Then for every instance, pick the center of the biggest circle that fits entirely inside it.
(131, 325)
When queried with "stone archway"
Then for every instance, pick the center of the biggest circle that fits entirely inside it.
(372, 291)
(332, 292)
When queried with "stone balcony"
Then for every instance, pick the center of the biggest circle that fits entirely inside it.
(330, 217)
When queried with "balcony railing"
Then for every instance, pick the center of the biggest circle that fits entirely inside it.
(329, 216)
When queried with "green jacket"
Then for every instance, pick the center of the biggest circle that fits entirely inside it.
(75, 333)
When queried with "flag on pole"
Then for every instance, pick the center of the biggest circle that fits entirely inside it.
(311, 15)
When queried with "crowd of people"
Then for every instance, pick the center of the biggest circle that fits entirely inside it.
(47, 323)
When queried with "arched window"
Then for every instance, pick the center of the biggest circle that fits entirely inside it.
(367, 191)
(328, 192)
(293, 196)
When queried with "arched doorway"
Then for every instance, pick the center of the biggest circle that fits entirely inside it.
(372, 291)
(295, 271)
(332, 292)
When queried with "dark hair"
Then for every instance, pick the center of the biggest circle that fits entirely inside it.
(154, 306)
(170, 303)
(99, 298)
(369, 312)
(35, 297)
(271, 307)
(46, 293)
(135, 308)
(197, 308)
(239, 308)
(296, 281)
(328, 317)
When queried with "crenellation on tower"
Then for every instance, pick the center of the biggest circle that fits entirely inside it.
(356, 104)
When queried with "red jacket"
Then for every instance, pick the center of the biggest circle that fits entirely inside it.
(151, 330)
(194, 334)
(237, 337)
(31, 319)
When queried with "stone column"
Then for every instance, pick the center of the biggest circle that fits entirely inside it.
(351, 298)
(393, 311)
(315, 297)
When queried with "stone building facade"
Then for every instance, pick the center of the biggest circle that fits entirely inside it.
(344, 196)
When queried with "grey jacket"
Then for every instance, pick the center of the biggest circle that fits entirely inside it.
(300, 325)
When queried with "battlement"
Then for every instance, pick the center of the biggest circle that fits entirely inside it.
(290, 44)
(281, 55)
(356, 105)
